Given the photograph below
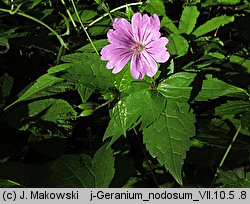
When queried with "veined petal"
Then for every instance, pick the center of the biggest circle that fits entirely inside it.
(114, 55)
(136, 68)
(136, 26)
(150, 66)
(155, 22)
(157, 49)
(121, 64)
(120, 38)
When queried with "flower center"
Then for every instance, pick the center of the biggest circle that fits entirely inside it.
(138, 48)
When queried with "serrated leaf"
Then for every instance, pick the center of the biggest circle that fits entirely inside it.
(80, 171)
(144, 106)
(88, 70)
(232, 108)
(177, 86)
(213, 88)
(168, 24)
(188, 19)
(177, 45)
(123, 79)
(168, 138)
(213, 24)
(41, 83)
(155, 6)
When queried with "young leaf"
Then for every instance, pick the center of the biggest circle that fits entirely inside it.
(168, 138)
(188, 19)
(213, 24)
(177, 45)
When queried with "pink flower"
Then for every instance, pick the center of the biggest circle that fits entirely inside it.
(140, 42)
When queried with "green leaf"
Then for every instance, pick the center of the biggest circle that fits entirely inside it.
(218, 2)
(242, 61)
(232, 108)
(4, 45)
(177, 86)
(168, 24)
(88, 70)
(123, 79)
(131, 110)
(85, 15)
(80, 171)
(245, 120)
(213, 24)
(84, 92)
(233, 179)
(213, 88)
(45, 81)
(155, 6)
(99, 44)
(101, 27)
(168, 138)
(177, 45)
(49, 118)
(188, 19)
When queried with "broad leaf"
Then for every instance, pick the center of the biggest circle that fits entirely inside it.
(155, 6)
(188, 19)
(177, 45)
(83, 172)
(168, 138)
(177, 86)
(144, 106)
(168, 24)
(213, 24)
(88, 70)
(213, 88)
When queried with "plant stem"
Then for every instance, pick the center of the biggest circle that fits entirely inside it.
(225, 155)
(69, 14)
(80, 20)
(113, 10)
(38, 21)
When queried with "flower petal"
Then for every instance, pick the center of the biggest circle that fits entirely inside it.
(150, 66)
(155, 22)
(136, 67)
(136, 26)
(157, 49)
(121, 64)
(115, 55)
